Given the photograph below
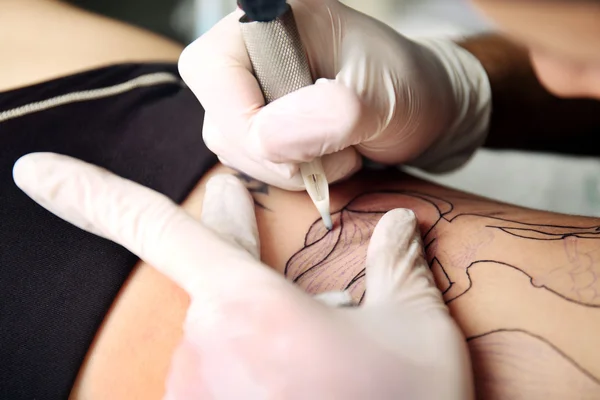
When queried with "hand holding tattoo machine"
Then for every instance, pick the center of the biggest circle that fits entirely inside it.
(378, 95)
(281, 66)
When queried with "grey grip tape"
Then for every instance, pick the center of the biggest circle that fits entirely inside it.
(278, 58)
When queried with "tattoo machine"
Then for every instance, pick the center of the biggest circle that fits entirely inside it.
(281, 66)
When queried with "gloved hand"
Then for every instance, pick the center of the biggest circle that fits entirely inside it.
(248, 332)
(424, 103)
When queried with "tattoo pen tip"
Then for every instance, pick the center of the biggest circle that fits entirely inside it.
(317, 188)
(327, 221)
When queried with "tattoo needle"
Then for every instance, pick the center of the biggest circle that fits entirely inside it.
(281, 66)
(317, 188)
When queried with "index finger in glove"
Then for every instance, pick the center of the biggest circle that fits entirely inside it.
(228, 210)
(216, 67)
(143, 221)
(396, 269)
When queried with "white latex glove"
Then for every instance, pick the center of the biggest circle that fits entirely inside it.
(380, 95)
(249, 333)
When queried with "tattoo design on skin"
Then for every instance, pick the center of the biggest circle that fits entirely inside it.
(519, 361)
(334, 260)
(573, 277)
(254, 187)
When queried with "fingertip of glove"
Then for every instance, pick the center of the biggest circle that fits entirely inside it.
(222, 182)
(341, 165)
(22, 169)
(401, 216)
(26, 169)
(396, 226)
(184, 62)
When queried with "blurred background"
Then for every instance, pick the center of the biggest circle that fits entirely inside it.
(544, 181)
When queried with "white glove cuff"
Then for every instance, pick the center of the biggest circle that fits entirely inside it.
(473, 96)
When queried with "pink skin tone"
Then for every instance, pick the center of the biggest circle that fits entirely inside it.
(562, 37)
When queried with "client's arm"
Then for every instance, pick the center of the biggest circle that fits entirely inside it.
(521, 283)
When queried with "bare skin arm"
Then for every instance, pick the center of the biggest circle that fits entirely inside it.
(525, 115)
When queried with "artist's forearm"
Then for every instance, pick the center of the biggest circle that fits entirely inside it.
(525, 115)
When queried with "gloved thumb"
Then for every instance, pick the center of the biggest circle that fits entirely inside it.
(228, 210)
(396, 269)
(316, 120)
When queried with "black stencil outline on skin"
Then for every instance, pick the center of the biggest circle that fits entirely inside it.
(296, 279)
(259, 188)
(436, 202)
(595, 235)
(434, 260)
(544, 340)
(580, 232)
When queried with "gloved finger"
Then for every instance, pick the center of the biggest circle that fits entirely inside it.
(338, 166)
(228, 149)
(262, 174)
(396, 270)
(341, 165)
(145, 222)
(217, 69)
(335, 299)
(324, 118)
(228, 210)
